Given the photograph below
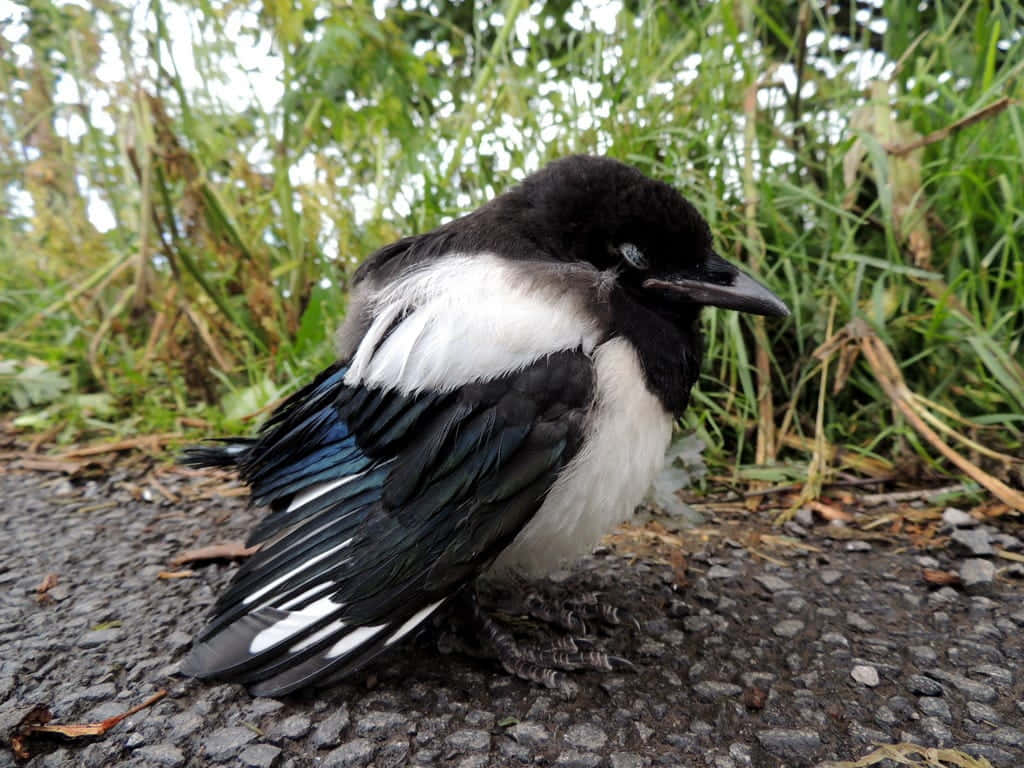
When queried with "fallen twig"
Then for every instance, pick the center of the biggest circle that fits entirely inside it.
(171, 575)
(226, 550)
(153, 442)
(990, 110)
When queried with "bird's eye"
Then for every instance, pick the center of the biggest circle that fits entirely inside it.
(633, 256)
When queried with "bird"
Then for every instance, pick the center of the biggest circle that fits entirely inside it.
(503, 395)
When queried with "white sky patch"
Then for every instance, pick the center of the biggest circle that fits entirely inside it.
(251, 71)
(99, 212)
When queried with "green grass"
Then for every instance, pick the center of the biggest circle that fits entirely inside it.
(206, 299)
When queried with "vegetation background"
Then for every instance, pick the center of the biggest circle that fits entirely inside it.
(186, 189)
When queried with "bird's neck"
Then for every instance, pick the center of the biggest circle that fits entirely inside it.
(668, 343)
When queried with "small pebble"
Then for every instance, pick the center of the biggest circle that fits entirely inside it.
(865, 675)
(859, 623)
(829, 577)
(773, 583)
(957, 518)
(788, 628)
(586, 736)
(977, 574)
(923, 686)
(790, 742)
(977, 541)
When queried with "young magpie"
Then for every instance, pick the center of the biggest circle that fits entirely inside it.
(503, 396)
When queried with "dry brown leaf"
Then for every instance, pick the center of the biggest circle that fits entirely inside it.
(903, 754)
(49, 582)
(226, 550)
(941, 578)
(830, 511)
(36, 723)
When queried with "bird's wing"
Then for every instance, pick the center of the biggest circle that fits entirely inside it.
(383, 504)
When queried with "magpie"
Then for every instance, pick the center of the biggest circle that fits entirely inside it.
(503, 395)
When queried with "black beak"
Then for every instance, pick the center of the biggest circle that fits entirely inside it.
(729, 288)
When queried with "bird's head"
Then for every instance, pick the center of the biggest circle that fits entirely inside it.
(609, 214)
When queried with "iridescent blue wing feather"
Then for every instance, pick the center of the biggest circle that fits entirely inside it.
(382, 505)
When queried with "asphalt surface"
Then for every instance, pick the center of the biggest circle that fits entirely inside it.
(740, 661)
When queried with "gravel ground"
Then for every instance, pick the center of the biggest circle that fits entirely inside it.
(741, 662)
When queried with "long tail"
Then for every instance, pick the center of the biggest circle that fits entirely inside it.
(230, 453)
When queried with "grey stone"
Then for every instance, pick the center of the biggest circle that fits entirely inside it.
(529, 733)
(260, 755)
(790, 742)
(480, 718)
(865, 735)
(935, 706)
(923, 686)
(943, 596)
(469, 740)
(162, 754)
(184, 725)
(1007, 541)
(796, 605)
(858, 546)
(983, 712)
(351, 754)
(262, 705)
(957, 518)
(293, 727)
(969, 688)
(773, 583)
(923, 654)
(472, 761)
(392, 753)
(998, 756)
(741, 754)
(571, 758)
(625, 760)
(935, 731)
(426, 757)
(379, 724)
(885, 716)
(829, 577)
(859, 623)
(586, 736)
(1004, 736)
(721, 573)
(788, 628)
(834, 638)
(1001, 675)
(225, 743)
(512, 750)
(328, 731)
(977, 574)
(977, 541)
(710, 690)
(865, 675)
(98, 637)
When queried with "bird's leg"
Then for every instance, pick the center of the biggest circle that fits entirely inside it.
(572, 614)
(544, 664)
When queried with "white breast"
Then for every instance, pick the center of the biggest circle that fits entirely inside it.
(628, 433)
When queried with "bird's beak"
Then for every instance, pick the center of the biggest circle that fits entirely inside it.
(731, 289)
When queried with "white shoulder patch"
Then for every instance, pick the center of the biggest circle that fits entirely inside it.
(466, 318)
